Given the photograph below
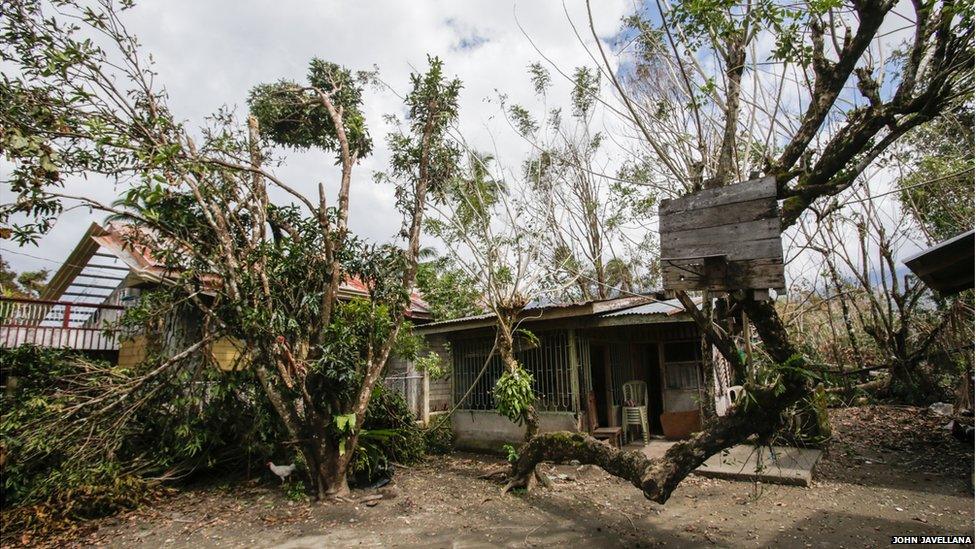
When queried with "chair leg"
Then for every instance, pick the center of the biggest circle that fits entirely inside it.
(644, 428)
(623, 422)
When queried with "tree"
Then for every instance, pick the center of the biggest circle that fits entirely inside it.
(25, 284)
(448, 290)
(492, 238)
(586, 212)
(82, 102)
(705, 129)
(935, 165)
(891, 321)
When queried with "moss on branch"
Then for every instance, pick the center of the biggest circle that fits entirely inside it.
(658, 478)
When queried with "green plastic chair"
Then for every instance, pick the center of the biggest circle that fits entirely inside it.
(636, 393)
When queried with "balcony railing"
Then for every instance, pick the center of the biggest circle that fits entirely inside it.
(58, 324)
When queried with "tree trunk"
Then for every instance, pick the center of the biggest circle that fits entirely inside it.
(335, 472)
(327, 470)
(506, 350)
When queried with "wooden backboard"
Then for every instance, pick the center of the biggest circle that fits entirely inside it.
(723, 239)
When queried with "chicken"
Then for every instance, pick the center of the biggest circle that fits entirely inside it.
(961, 431)
(283, 471)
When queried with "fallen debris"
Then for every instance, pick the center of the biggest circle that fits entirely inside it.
(915, 467)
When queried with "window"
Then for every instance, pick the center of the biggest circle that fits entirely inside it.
(682, 375)
(682, 351)
(681, 364)
(546, 358)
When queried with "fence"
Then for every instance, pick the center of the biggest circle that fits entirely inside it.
(411, 387)
(80, 326)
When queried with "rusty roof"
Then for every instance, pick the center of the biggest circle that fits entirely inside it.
(145, 268)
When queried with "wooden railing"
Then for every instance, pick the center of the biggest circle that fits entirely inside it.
(60, 324)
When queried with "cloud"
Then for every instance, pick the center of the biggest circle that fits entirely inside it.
(209, 54)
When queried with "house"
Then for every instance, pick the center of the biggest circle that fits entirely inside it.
(105, 273)
(580, 357)
(946, 267)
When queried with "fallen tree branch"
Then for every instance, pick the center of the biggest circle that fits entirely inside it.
(876, 386)
(658, 478)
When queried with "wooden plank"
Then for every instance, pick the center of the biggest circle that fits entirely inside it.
(98, 286)
(740, 268)
(115, 278)
(754, 249)
(749, 240)
(729, 194)
(724, 214)
(723, 239)
(729, 234)
(639, 320)
(756, 273)
(82, 294)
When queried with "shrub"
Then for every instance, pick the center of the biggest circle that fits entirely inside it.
(390, 434)
(69, 455)
(439, 436)
(513, 394)
(75, 449)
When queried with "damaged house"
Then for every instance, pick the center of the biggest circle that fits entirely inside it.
(580, 357)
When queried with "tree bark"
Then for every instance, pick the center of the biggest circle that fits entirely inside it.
(506, 350)
(658, 478)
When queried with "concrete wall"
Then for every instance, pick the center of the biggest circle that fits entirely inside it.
(489, 430)
(440, 394)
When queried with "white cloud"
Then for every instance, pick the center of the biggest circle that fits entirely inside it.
(211, 53)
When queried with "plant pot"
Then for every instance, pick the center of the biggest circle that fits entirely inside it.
(678, 425)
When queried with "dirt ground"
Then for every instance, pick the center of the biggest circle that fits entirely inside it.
(890, 471)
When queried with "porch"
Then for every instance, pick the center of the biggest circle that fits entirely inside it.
(578, 377)
(666, 358)
(776, 464)
(59, 324)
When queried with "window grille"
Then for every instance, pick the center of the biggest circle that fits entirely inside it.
(548, 362)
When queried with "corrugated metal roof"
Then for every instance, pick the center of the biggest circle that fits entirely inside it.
(668, 307)
(616, 305)
(946, 267)
(532, 306)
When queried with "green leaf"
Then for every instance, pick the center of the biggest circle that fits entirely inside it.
(346, 423)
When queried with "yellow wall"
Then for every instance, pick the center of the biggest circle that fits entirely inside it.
(226, 353)
(132, 351)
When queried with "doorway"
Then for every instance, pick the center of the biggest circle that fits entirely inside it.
(600, 397)
(650, 364)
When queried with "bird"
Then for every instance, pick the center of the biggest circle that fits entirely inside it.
(961, 431)
(282, 470)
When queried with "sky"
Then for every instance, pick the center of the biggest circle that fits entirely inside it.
(209, 54)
